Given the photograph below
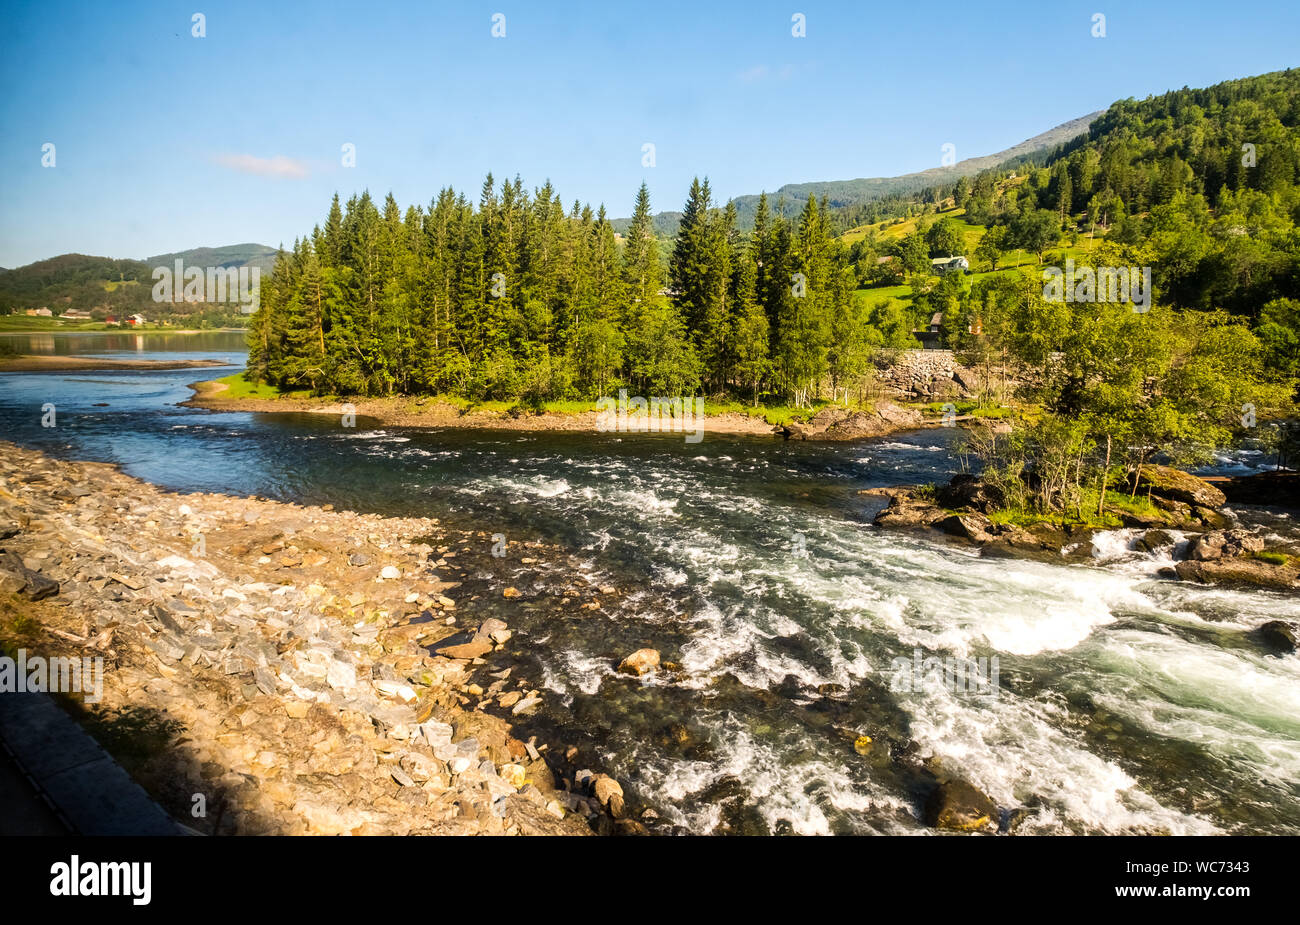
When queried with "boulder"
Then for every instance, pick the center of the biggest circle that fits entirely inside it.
(1278, 635)
(973, 527)
(959, 806)
(640, 662)
(495, 630)
(610, 794)
(1155, 539)
(1177, 485)
(1240, 572)
(1224, 545)
(905, 510)
(966, 492)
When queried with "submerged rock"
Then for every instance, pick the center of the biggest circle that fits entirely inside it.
(1278, 635)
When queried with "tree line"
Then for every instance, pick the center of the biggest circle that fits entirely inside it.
(522, 299)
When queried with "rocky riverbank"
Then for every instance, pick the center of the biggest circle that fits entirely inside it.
(302, 670)
(1188, 516)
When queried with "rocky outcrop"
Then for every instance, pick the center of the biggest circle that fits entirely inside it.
(836, 423)
(925, 375)
(1176, 485)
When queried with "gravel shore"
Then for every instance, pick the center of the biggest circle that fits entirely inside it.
(290, 665)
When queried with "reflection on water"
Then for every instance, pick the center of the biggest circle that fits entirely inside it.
(104, 342)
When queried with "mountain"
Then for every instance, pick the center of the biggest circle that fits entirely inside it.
(231, 255)
(844, 193)
(105, 285)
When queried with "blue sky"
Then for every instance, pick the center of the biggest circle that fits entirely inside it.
(165, 141)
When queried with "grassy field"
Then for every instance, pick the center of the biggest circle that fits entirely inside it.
(26, 324)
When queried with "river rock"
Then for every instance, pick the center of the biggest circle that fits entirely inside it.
(1240, 572)
(959, 806)
(1155, 539)
(905, 510)
(973, 527)
(1224, 544)
(464, 645)
(641, 662)
(1278, 635)
(610, 794)
(495, 630)
(390, 572)
(17, 578)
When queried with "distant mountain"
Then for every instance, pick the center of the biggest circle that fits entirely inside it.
(844, 193)
(104, 285)
(231, 255)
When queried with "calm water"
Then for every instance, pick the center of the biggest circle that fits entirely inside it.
(1124, 703)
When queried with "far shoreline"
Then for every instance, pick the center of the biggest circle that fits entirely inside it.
(428, 413)
(39, 363)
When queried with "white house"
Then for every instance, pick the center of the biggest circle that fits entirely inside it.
(942, 265)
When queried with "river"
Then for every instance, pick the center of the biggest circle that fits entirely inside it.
(1123, 702)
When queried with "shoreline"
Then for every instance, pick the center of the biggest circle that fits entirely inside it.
(34, 363)
(829, 424)
(300, 667)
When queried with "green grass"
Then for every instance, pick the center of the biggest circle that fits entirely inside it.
(239, 387)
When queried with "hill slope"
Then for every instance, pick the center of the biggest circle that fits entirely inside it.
(844, 193)
(231, 255)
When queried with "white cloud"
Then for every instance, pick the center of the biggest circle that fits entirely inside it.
(278, 166)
